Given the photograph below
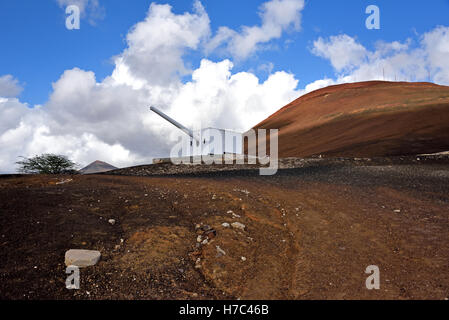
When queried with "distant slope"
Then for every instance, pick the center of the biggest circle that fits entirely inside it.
(364, 119)
(97, 167)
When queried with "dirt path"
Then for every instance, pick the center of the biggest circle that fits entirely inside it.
(309, 234)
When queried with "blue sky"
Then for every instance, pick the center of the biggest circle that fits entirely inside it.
(37, 47)
(229, 64)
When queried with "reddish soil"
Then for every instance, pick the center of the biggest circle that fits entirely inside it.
(366, 119)
(310, 234)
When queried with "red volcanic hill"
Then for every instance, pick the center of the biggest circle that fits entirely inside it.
(365, 119)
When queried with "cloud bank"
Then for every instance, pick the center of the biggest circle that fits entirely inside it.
(425, 60)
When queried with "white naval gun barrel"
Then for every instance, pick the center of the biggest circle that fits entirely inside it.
(174, 122)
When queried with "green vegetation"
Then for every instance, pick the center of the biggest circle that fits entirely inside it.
(46, 164)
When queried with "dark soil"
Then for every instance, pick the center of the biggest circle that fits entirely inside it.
(310, 232)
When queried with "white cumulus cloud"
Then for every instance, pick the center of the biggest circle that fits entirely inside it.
(156, 45)
(9, 86)
(342, 51)
(389, 60)
(276, 16)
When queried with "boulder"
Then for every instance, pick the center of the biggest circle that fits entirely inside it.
(82, 258)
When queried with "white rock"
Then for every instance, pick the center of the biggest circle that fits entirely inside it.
(225, 225)
(238, 225)
(82, 258)
(111, 221)
(198, 263)
(243, 259)
(220, 251)
(64, 181)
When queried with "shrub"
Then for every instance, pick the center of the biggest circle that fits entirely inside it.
(46, 164)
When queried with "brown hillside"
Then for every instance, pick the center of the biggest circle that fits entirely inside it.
(364, 119)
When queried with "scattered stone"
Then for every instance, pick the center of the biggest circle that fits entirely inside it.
(238, 225)
(111, 221)
(235, 215)
(82, 258)
(243, 259)
(242, 191)
(199, 239)
(220, 251)
(205, 241)
(198, 263)
(64, 181)
(397, 211)
(225, 225)
(230, 212)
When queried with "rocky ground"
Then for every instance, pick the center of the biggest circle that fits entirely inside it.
(307, 233)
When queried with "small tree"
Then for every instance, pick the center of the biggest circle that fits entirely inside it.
(46, 164)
